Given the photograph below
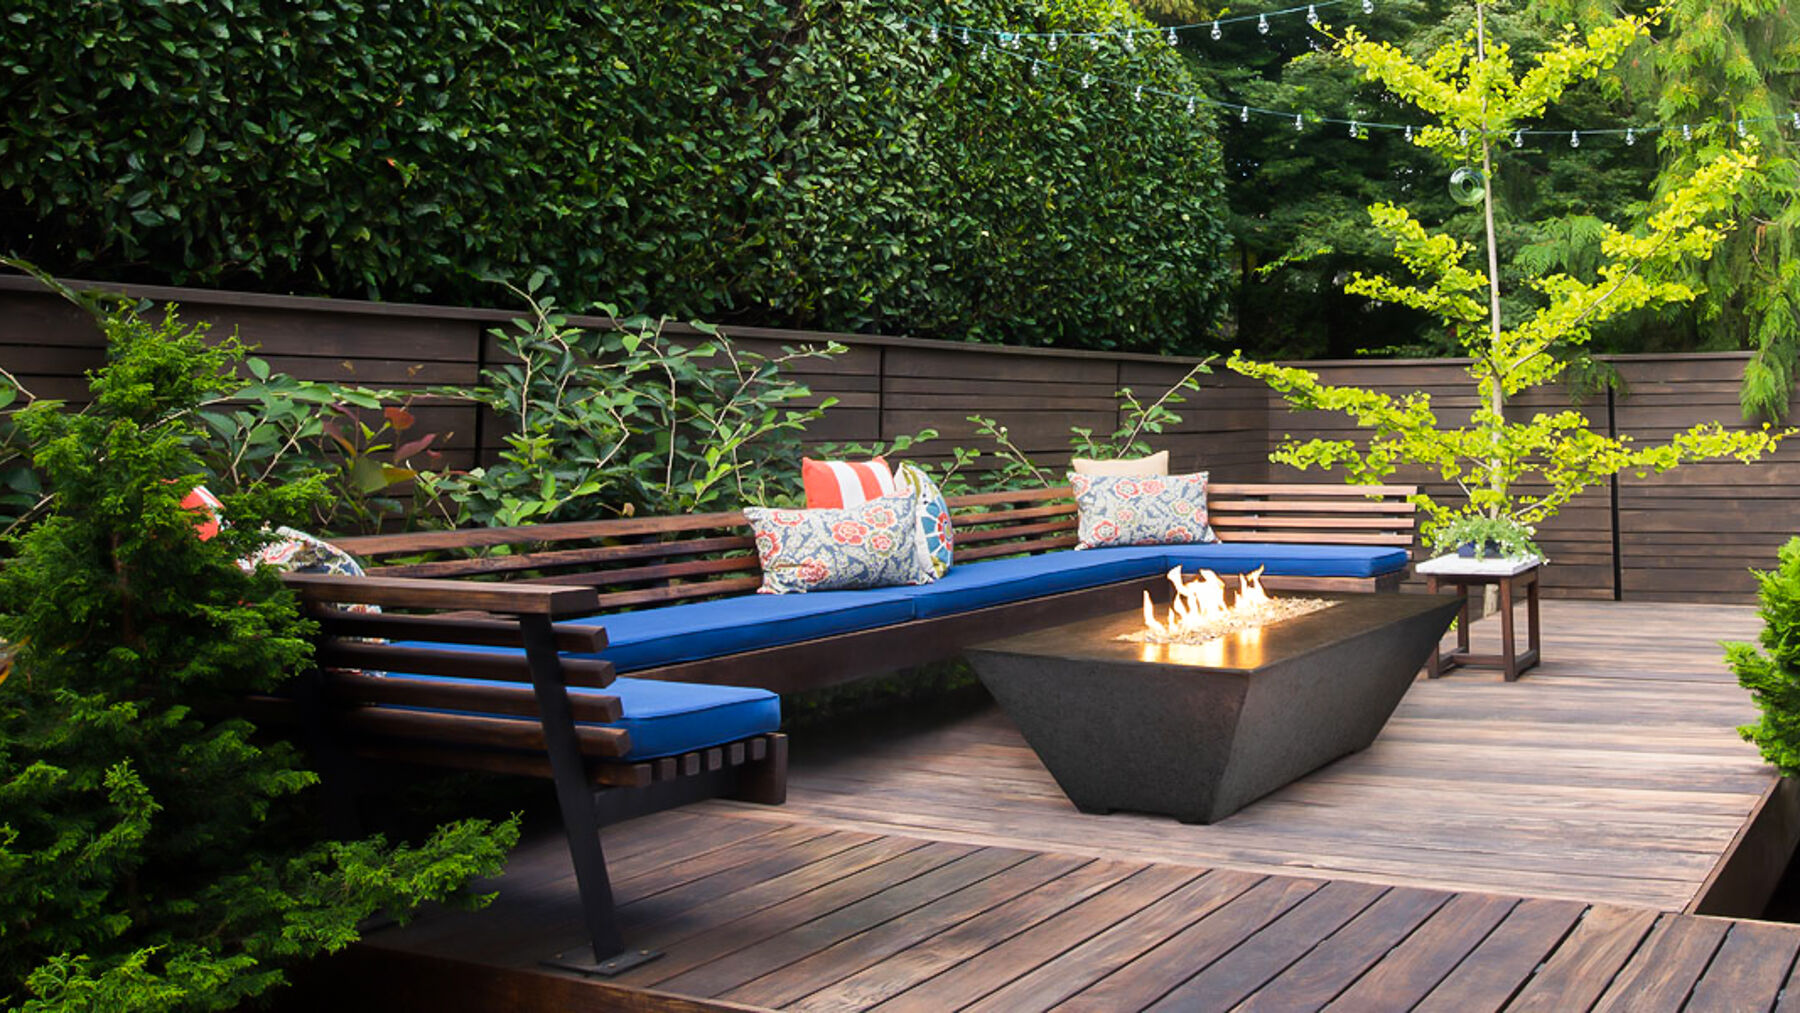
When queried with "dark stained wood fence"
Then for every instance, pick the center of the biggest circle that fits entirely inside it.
(1690, 535)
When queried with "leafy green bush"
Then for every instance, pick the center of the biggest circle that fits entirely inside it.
(156, 852)
(821, 163)
(1773, 678)
(614, 421)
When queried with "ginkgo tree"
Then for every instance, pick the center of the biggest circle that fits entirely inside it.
(1480, 102)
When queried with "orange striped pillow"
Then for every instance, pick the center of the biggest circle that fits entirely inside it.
(838, 484)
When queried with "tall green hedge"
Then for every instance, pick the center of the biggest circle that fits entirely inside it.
(812, 163)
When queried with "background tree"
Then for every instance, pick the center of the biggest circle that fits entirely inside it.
(1475, 99)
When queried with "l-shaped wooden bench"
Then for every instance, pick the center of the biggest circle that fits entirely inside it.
(450, 598)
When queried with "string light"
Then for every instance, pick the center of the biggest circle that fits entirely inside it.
(1217, 35)
(1262, 24)
(1368, 6)
(1138, 96)
(1009, 40)
(934, 35)
(1312, 15)
(1131, 43)
(1171, 39)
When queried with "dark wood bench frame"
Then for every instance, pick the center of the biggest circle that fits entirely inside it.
(519, 720)
(638, 562)
(527, 723)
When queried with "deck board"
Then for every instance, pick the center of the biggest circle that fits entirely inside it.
(1523, 846)
(1613, 772)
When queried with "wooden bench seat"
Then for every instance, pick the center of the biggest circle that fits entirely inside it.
(636, 563)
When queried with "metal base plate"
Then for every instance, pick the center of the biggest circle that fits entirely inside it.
(582, 961)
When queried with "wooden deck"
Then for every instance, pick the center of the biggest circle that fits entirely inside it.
(1526, 845)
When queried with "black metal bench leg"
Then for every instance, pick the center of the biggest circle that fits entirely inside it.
(580, 821)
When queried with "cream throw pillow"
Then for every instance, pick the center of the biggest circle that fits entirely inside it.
(1155, 464)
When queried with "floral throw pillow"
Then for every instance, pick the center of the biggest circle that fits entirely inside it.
(875, 544)
(1151, 510)
(937, 544)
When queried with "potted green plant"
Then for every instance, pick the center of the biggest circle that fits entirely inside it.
(1482, 536)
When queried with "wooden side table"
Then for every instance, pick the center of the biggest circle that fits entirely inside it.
(1462, 574)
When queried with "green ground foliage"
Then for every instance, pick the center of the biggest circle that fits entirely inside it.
(156, 851)
(1772, 674)
(816, 163)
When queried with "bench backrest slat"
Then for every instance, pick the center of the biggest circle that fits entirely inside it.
(640, 561)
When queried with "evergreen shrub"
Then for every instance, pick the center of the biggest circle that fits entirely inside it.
(1772, 674)
(156, 851)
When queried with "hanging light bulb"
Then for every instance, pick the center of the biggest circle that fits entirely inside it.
(1462, 136)
(1518, 138)
(1244, 114)
(1312, 15)
(1409, 131)
(1138, 95)
(1087, 80)
(1262, 24)
(1171, 39)
(934, 35)
(1355, 129)
(1687, 132)
(965, 36)
(1740, 129)
(1034, 68)
(1216, 34)
(1796, 120)
(1130, 42)
(1630, 136)
(984, 50)
(1093, 42)
(1190, 107)
(1574, 138)
(1299, 124)
(1368, 6)
(1052, 44)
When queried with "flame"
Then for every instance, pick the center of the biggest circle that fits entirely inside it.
(1201, 602)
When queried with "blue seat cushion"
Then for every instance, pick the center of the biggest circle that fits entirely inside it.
(970, 586)
(709, 629)
(669, 718)
(1283, 560)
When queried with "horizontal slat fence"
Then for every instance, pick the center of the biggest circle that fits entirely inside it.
(1690, 535)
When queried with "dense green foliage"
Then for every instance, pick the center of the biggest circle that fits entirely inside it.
(821, 163)
(1772, 675)
(1299, 194)
(156, 852)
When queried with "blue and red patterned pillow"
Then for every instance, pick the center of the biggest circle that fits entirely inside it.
(1141, 510)
(875, 544)
(937, 545)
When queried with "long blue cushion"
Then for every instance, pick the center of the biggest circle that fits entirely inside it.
(667, 718)
(970, 586)
(1284, 560)
(709, 629)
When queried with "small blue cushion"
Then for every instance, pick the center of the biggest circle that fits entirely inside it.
(709, 629)
(970, 586)
(669, 718)
(1284, 560)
